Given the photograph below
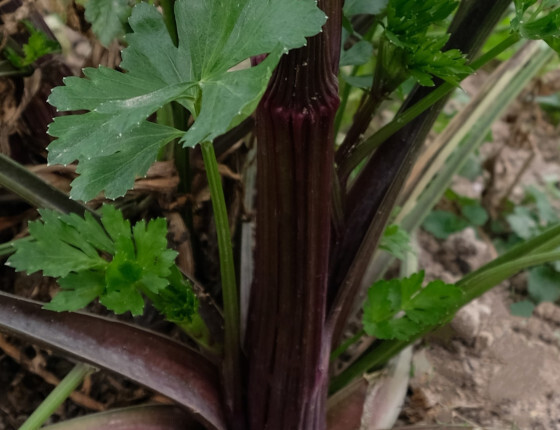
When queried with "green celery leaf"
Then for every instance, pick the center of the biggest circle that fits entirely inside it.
(152, 254)
(383, 301)
(364, 7)
(177, 302)
(433, 303)
(123, 300)
(522, 222)
(363, 82)
(400, 328)
(538, 20)
(395, 241)
(407, 49)
(37, 46)
(118, 229)
(410, 286)
(408, 19)
(360, 53)
(121, 279)
(442, 224)
(78, 134)
(401, 308)
(543, 284)
(214, 36)
(108, 18)
(110, 261)
(59, 247)
(77, 291)
(475, 214)
(234, 95)
(545, 211)
(115, 173)
(524, 308)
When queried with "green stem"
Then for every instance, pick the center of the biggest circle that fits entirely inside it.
(167, 7)
(479, 284)
(57, 396)
(376, 356)
(344, 96)
(369, 145)
(346, 344)
(227, 270)
(181, 156)
(197, 330)
(543, 243)
(345, 86)
(7, 249)
(175, 115)
(232, 376)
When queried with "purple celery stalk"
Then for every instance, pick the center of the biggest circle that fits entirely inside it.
(287, 343)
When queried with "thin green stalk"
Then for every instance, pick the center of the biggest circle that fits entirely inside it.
(345, 87)
(346, 344)
(227, 268)
(57, 396)
(6, 249)
(175, 115)
(545, 242)
(376, 356)
(232, 375)
(198, 331)
(369, 145)
(482, 282)
(167, 7)
(344, 96)
(181, 156)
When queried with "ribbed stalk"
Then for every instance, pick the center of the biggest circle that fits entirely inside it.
(286, 341)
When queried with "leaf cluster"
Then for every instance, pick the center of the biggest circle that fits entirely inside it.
(37, 46)
(536, 20)
(108, 260)
(395, 241)
(401, 308)
(411, 46)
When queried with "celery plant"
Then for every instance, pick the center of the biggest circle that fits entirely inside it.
(321, 211)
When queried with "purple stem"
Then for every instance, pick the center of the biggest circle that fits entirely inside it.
(287, 344)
